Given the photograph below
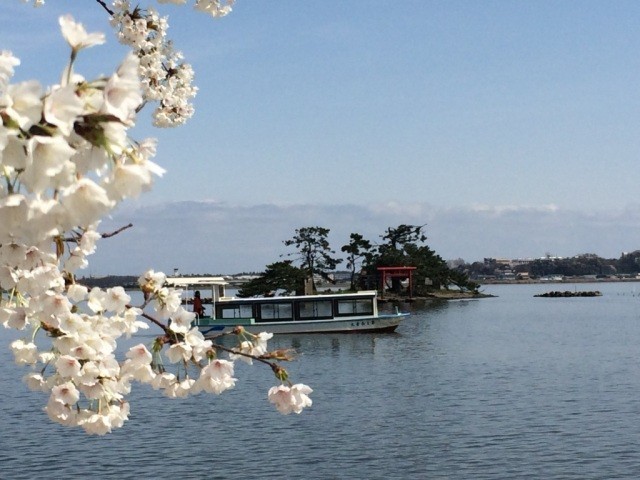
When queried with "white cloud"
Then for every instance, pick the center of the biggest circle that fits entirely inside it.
(500, 209)
(214, 237)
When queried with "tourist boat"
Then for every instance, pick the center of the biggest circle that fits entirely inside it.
(330, 313)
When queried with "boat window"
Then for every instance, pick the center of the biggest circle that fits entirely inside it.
(361, 306)
(315, 309)
(276, 311)
(235, 311)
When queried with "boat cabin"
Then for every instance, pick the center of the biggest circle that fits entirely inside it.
(298, 308)
(338, 312)
(274, 309)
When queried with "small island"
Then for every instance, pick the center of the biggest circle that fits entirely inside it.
(567, 293)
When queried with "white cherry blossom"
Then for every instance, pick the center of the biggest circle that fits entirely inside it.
(139, 371)
(8, 277)
(25, 353)
(215, 8)
(199, 346)
(128, 323)
(14, 155)
(95, 423)
(88, 241)
(139, 355)
(68, 366)
(76, 35)
(67, 162)
(65, 393)
(256, 347)
(179, 389)
(163, 381)
(23, 103)
(75, 261)
(179, 352)
(151, 281)
(116, 299)
(96, 300)
(129, 181)
(7, 62)
(35, 382)
(122, 92)
(61, 412)
(56, 305)
(87, 200)
(62, 107)
(290, 399)
(167, 302)
(181, 321)
(77, 293)
(13, 317)
(216, 377)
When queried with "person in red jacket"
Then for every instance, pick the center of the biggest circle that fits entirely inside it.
(197, 304)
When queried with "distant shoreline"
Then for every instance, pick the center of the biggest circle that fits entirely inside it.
(552, 282)
(130, 283)
(458, 295)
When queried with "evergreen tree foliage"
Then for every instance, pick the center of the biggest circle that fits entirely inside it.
(313, 252)
(357, 249)
(279, 276)
(405, 246)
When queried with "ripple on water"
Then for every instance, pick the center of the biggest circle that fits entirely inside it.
(507, 387)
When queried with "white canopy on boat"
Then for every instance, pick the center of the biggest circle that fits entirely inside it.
(195, 281)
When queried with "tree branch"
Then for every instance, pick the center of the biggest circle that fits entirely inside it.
(104, 5)
(107, 235)
(153, 320)
(273, 365)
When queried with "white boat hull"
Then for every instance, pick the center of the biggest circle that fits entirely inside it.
(381, 323)
(321, 313)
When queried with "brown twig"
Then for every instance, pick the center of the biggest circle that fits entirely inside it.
(153, 320)
(231, 350)
(104, 5)
(107, 235)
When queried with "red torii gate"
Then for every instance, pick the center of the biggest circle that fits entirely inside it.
(402, 272)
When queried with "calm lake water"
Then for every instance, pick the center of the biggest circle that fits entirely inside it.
(505, 387)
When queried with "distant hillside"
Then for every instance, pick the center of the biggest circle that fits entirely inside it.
(126, 281)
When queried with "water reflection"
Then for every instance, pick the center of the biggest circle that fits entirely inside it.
(336, 344)
(506, 387)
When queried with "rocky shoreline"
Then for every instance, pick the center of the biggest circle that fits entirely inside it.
(439, 295)
(568, 294)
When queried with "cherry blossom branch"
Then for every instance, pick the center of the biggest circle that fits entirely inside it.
(154, 321)
(260, 358)
(280, 372)
(79, 133)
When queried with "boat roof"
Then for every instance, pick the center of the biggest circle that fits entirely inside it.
(200, 281)
(320, 296)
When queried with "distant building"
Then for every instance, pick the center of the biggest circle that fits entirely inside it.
(508, 262)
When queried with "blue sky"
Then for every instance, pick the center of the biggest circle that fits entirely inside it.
(477, 118)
